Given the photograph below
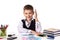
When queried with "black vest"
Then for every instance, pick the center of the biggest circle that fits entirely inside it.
(32, 25)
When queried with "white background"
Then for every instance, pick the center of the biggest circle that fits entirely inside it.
(11, 11)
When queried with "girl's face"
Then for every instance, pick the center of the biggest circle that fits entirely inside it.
(28, 14)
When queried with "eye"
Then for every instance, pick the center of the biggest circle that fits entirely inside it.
(29, 13)
(25, 13)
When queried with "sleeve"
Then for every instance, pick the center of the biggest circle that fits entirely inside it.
(38, 27)
(21, 29)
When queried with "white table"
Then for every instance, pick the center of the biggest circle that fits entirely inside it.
(42, 38)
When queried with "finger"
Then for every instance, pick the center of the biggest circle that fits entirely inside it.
(35, 12)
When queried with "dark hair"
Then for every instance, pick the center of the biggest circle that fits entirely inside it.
(28, 7)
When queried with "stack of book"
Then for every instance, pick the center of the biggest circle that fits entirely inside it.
(51, 32)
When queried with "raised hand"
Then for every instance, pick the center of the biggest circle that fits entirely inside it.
(35, 15)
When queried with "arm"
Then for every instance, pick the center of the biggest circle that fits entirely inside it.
(38, 25)
(38, 29)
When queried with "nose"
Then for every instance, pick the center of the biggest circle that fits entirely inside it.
(28, 14)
